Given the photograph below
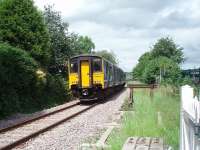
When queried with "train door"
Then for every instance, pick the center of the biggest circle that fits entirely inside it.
(85, 73)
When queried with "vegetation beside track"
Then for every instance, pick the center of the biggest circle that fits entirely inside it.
(25, 88)
(144, 121)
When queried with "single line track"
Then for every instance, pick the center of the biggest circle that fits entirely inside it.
(38, 132)
(36, 118)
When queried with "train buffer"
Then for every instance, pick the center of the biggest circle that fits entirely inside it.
(143, 143)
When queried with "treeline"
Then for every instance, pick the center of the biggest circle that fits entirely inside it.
(31, 41)
(161, 64)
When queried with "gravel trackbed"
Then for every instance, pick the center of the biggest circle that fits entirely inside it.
(71, 134)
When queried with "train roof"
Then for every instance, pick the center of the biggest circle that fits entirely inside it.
(93, 55)
(86, 55)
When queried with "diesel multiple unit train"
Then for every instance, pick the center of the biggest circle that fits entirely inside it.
(92, 77)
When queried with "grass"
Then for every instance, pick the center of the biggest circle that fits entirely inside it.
(127, 106)
(144, 122)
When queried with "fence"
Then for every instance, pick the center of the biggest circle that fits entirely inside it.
(190, 120)
(140, 86)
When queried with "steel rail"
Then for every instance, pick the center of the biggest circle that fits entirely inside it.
(26, 138)
(36, 118)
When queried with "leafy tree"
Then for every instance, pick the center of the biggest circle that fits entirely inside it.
(85, 44)
(140, 67)
(73, 44)
(162, 66)
(167, 48)
(108, 55)
(22, 26)
(80, 44)
(161, 62)
(59, 36)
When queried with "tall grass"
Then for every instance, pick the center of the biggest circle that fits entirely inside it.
(144, 120)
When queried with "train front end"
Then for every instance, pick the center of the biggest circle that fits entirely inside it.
(86, 77)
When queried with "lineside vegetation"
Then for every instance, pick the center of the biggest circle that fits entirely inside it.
(161, 64)
(158, 117)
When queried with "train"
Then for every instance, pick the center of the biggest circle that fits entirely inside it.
(92, 77)
(193, 74)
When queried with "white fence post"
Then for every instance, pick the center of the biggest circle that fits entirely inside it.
(189, 121)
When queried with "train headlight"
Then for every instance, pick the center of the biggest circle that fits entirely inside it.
(85, 92)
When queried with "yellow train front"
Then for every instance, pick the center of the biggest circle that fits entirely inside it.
(92, 77)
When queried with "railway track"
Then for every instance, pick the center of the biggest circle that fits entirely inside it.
(18, 134)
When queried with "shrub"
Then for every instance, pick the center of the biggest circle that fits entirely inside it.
(17, 77)
(24, 87)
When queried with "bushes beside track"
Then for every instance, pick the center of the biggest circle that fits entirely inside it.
(24, 86)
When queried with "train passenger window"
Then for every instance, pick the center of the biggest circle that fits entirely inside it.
(97, 65)
(74, 67)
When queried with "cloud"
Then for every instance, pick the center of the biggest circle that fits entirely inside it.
(130, 28)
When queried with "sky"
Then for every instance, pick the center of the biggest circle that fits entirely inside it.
(131, 27)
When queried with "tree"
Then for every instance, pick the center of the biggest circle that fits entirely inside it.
(140, 67)
(22, 26)
(167, 48)
(73, 44)
(110, 56)
(162, 62)
(80, 44)
(85, 44)
(164, 67)
(59, 36)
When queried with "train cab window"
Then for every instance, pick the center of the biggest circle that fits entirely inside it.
(74, 67)
(97, 65)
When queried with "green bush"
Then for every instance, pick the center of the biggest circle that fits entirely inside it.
(51, 92)
(22, 88)
(17, 77)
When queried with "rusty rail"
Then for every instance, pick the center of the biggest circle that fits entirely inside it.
(32, 135)
(36, 118)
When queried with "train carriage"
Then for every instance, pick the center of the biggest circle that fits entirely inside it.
(92, 77)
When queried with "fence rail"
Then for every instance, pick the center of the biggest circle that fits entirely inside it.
(140, 86)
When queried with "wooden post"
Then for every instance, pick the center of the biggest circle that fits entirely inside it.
(151, 91)
(131, 96)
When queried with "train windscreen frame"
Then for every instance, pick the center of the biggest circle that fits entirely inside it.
(97, 64)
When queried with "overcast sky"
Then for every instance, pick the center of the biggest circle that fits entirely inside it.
(130, 27)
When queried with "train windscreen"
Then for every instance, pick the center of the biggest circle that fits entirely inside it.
(97, 65)
(73, 66)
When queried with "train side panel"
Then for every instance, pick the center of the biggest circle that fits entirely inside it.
(73, 79)
(98, 79)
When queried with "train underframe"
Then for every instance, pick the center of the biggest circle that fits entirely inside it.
(96, 92)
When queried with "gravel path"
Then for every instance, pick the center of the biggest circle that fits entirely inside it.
(70, 135)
